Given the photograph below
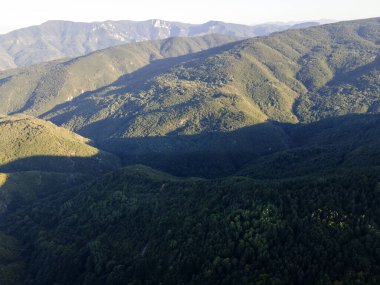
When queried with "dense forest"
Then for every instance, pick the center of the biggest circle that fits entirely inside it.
(209, 160)
(139, 226)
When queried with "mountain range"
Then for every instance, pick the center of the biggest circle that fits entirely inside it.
(180, 93)
(211, 159)
(63, 39)
(37, 89)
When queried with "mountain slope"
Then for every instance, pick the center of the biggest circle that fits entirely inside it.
(38, 158)
(181, 101)
(11, 262)
(240, 84)
(61, 39)
(281, 78)
(23, 187)
(307, 215)
(27, 140)
(322, 147)
(147, 227)
(37, 89)
(303, 207)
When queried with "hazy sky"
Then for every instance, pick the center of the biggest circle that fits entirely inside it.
(21, 13)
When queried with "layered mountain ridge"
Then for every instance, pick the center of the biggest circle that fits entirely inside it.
(62, 39)
(37, 89)
(266, 157)
(286, 78)
(184, 96)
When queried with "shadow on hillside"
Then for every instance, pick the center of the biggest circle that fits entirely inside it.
(341, 78)
(27, 179)
(93, 165)
(266, 151)
(156, 67)
(224, 153)
(211, 154)
(206, 155)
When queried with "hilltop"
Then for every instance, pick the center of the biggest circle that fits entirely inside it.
(38, 158)
(26, 139)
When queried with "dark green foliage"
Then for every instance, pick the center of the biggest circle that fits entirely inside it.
(297, 203)
(306, 215)
(138, 226)
(206, 155)
(268, 150)
(22, 188)
(11, 263)
(322, 147)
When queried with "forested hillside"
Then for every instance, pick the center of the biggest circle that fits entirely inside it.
(39, 88)
(206, 161)
(281, 78)
(145, 227)
(215, 101)
(38, 158)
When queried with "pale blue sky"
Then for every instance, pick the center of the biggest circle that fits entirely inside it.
(21, 13)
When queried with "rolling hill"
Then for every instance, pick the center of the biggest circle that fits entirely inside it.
(284, 131)
(279, 78)
(170, 107)
(37, 89)
(307, 214)
(182, 99)
(286, 77)
(62, 39)
(38, 158)
(26, 139)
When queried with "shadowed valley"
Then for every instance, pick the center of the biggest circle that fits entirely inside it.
(208, 161)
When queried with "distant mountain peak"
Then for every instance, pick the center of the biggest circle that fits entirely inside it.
(161, 24)
(56, 39)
